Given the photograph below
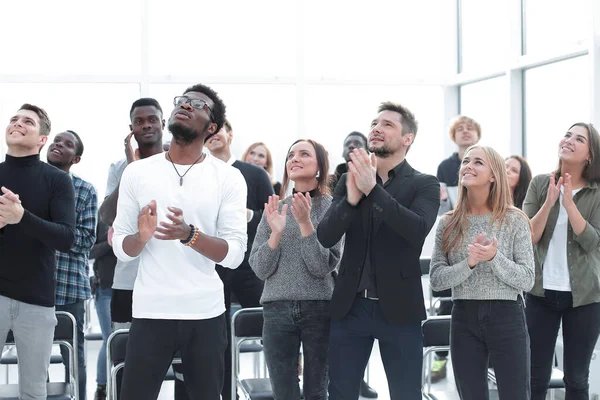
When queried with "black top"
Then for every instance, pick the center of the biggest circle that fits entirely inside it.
(448, 170)
(104, 257)
(259, 190)
(28, 264)
(368, 280)
(401, 214)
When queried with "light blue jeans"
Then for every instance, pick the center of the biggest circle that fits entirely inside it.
(103, 310)
(33, 329)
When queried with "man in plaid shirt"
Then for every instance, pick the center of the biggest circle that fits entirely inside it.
(72, 270)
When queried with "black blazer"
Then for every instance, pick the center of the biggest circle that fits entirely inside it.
(259, 189)
(404, 212)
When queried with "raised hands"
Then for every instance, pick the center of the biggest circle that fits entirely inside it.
(364, 170)
(301, 205)
(177, 229)
(353, 194)
(275, 219)
(567, 191)
(554, 190)
(129, 153)
(482, 249)
(11, 210)
(147, 222)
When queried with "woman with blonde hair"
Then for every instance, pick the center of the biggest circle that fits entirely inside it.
(483, 252)
(258, 154)
(564, 207)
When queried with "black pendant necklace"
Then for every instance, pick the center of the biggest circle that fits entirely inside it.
(188, 170)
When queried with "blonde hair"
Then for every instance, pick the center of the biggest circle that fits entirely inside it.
(499, 201)
(269, 165)
(462, 119)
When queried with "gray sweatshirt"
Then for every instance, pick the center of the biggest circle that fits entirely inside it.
(300, 268)
(505, 277)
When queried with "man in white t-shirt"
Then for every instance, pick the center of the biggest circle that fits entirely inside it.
(180, 212)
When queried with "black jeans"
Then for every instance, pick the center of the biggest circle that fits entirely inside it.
(247, 288)
(286, 325)
(484, 328)
(152, 345)
(581, 327)
(77, 309)
(350, 345)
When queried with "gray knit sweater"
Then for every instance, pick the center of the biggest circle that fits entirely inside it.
(505, 277)
(300, 268)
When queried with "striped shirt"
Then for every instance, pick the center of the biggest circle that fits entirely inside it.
(72, 269)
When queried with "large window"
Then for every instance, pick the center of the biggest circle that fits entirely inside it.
(485, 34)
(377, 38)
(487, 103)
(70, 37)
(332, 112)
(99, 113)
(553, 25)
(223, 38)
(556, 96)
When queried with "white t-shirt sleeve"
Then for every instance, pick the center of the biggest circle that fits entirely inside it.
(128, 210)
(232, 219)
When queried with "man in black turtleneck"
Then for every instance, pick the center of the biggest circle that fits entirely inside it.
(37, 218)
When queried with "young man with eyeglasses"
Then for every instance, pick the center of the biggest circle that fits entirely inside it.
(37, 218)
(180, 213)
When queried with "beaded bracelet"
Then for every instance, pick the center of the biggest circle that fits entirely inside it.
(194, 238)
(191, 237)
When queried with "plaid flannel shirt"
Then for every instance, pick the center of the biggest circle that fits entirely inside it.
(72, 268)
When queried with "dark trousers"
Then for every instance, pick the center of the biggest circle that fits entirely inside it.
(247, 288)
(152, 345)
(581, 328)
(350, 345)
(286, 325)
(484, 328)
(77, 309)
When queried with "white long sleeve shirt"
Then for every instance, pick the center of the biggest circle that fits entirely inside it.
(174, 281)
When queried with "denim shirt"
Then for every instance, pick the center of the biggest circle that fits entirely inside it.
(583, 251)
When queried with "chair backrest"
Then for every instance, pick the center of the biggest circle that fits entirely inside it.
(116, 349)
(436, 331)
(246, 324)
(424, 262)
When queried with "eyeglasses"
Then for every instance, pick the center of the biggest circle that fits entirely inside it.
(198, 104)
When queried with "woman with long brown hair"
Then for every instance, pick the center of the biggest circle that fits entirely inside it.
(564, 207)
(258, 154)
(483, 252)
(297, 271)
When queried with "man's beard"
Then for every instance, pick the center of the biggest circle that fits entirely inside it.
(184, 135)
(381, 152)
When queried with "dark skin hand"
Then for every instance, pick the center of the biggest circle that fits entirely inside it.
(177, 229)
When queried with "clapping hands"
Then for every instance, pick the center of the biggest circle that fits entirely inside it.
(482, 249)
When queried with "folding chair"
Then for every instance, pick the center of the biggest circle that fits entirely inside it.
(116, 350)
(436, 337)
(246, 325)
(64, 334)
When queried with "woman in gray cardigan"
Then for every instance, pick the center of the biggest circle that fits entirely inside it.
(483, 252)
(298, 275)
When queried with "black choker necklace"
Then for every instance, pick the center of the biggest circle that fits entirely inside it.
(188, 170)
